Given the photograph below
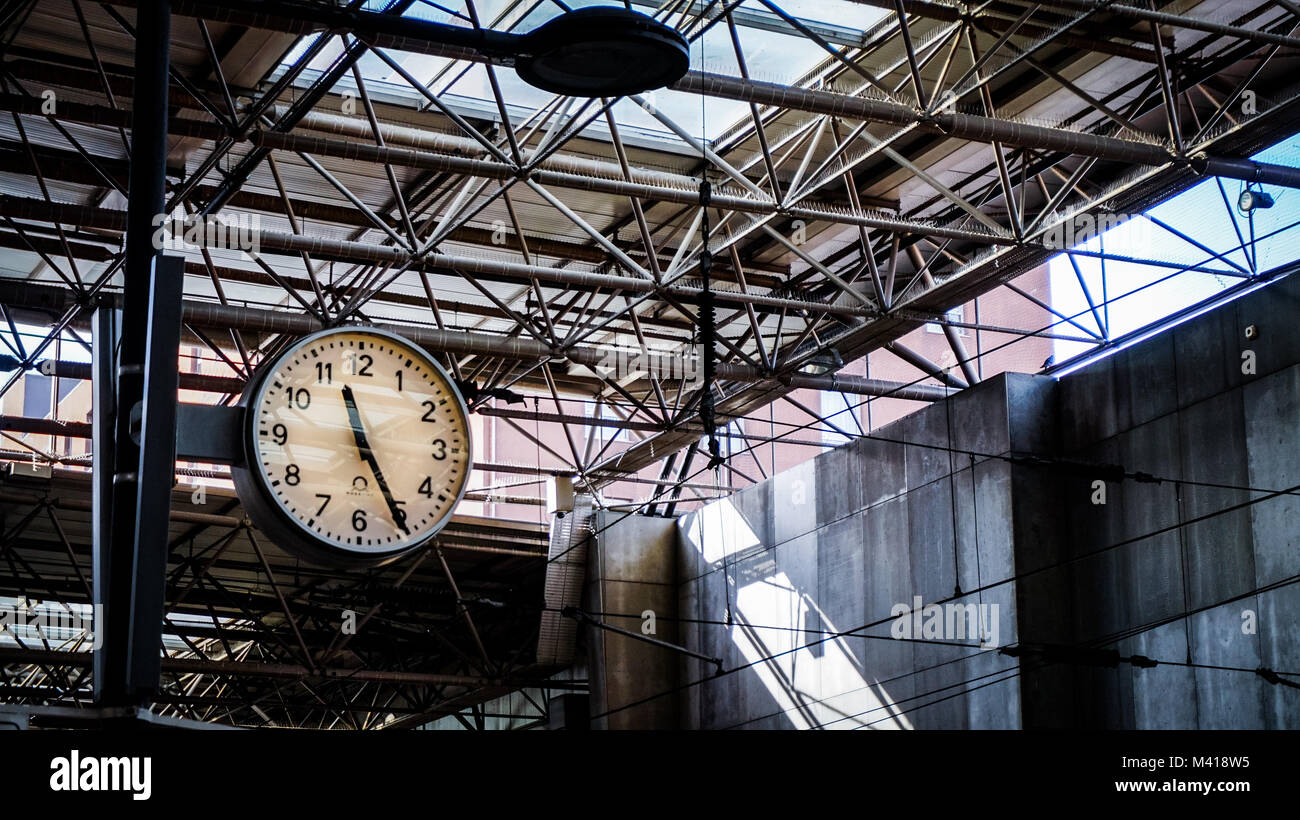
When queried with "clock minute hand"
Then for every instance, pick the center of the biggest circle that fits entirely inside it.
(368, 456)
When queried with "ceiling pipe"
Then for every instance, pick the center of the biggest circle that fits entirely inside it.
(978, 128)
(1247, 170)
(964, 126)
(339, 250)
(427, 140)
(951, 13)
(201, 666)
(57, 165)
(659, 327)
(583, 177)
(384, 31)
(1175, 20)
(463, 343)
(567, 174)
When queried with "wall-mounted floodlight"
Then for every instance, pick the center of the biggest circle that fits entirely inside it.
(1251, 199)
(823, 363)
(602, 51)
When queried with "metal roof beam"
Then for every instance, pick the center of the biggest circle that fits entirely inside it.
(209, 314)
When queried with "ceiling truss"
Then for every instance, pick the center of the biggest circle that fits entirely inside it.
(919, 163)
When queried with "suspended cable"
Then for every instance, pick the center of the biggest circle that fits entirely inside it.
(983, 587)
(708, 334)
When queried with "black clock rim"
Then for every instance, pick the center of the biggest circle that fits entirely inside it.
(286, 531)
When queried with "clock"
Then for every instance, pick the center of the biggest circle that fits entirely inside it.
(356, 447)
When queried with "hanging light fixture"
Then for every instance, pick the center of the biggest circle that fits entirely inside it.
(602, 51)
(599, 51)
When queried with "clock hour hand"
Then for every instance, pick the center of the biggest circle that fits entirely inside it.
(368, 456)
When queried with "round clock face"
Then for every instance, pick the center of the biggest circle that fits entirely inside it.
(360, 442)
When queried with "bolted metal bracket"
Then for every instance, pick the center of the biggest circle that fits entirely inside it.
(209, 433)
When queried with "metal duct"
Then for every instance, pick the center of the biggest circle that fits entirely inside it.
(1009, 132)
(972, 127)
(1177, 21)
(861, 386)
(69, 111)
(577, 174)
(345, 149)
(1246, 170)
(384, 31)
(592, 176)
(25, 295)
(425, 140)
(471, 343)
(964, 126)
(341, 250)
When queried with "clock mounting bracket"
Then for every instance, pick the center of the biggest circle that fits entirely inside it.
(206, 433)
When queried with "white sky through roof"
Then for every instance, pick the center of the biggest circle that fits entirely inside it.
(1140, 294)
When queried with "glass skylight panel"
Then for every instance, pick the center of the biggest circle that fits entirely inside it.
(773, 50)
(840, 13)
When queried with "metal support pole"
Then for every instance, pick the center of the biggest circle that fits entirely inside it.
(131, 645)
(923, 364)
(109, 622)
(156, 473)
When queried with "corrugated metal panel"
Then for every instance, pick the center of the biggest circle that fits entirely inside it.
(566, 569)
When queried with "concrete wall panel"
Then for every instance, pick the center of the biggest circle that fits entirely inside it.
(842, 540)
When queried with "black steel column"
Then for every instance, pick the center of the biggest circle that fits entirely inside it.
(156, 473)
(104, 338)
(127, 665)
